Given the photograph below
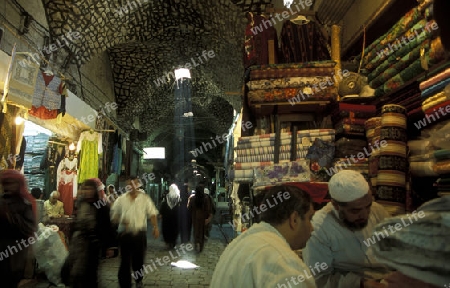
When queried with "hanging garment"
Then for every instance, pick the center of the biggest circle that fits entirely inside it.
(24, 75)
(47, 96)
(303, 43)
(257, 35)
(90, 144)
(67, 183)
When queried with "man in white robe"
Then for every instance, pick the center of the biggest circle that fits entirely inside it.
(341, 230)
(263, 255)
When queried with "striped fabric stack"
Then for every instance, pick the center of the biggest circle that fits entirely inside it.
(393, 164)
(373, 133)
(351, 145)
(436, 97)
(258, 151)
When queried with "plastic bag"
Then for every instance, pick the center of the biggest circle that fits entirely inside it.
(50, 253)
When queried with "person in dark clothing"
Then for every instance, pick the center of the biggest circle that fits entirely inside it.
(213, 210)
(201, 216)
(169, 211)
(185, 222)
(92, 229)
(17, 223)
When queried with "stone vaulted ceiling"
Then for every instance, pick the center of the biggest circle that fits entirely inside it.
(146, 39)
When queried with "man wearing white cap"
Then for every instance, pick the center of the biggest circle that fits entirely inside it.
(339, 231)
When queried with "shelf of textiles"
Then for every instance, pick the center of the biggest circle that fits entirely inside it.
(309, 83)
(255, 161)
(391, 64)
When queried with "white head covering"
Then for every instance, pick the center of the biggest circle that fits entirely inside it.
(173, 197)
(206, 190)
(347, 186)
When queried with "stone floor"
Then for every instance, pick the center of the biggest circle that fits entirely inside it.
(166, 275)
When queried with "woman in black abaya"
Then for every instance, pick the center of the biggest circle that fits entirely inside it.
(170, 213)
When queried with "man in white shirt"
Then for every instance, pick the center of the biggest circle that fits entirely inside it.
(263, 255)
(53, 207)
(340, 229)
(131, 211)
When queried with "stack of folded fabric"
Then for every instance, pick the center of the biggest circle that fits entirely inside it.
(421, 158)
(443, 186)
(422, 50)
(436, 96)
(258, 151)
(373, 135)
(392, 164)
(292, 82)
(418, 247)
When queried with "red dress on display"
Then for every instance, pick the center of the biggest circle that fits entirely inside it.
(67, 183)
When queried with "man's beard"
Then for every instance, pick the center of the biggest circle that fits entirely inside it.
(352, 225)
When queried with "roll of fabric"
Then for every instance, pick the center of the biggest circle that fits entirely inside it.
(394, 120)
(419, 147)
(423, 169)
(393, 208)
(394, 148)
(288, 82)
(391, 193)
(435, 79)
(393, 163)
(391, 178)
(292, 94)
(442, 167)
(373, 165)
(240, 174)
(393, 133)
(433, 89)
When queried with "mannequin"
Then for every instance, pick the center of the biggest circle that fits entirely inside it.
(67, 181)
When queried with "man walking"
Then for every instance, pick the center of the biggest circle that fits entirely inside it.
(131, 211)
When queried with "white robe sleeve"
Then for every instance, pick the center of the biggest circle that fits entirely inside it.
(80, 141)
(318, 250)
(100, 145)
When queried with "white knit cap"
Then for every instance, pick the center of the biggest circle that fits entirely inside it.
(347, 186)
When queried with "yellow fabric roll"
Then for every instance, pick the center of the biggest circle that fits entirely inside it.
(393, 119)
(394, 148)
(391, 178)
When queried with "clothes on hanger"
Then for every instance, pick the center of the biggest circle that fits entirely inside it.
(90, 145)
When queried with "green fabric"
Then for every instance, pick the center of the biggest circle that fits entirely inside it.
(442, 154)
(383, 63)
(399, 65)
(403, 25)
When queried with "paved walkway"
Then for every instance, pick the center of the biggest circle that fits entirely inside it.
(165, 275)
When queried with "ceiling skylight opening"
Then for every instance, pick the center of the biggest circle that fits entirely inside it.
(181, 73)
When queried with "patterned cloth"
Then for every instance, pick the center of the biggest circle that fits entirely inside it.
(289, 82)
(418, 36)
(290, 72)
(432, 56)
(303, 43)
(284, 172)
(403, 25)
(276, 95)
